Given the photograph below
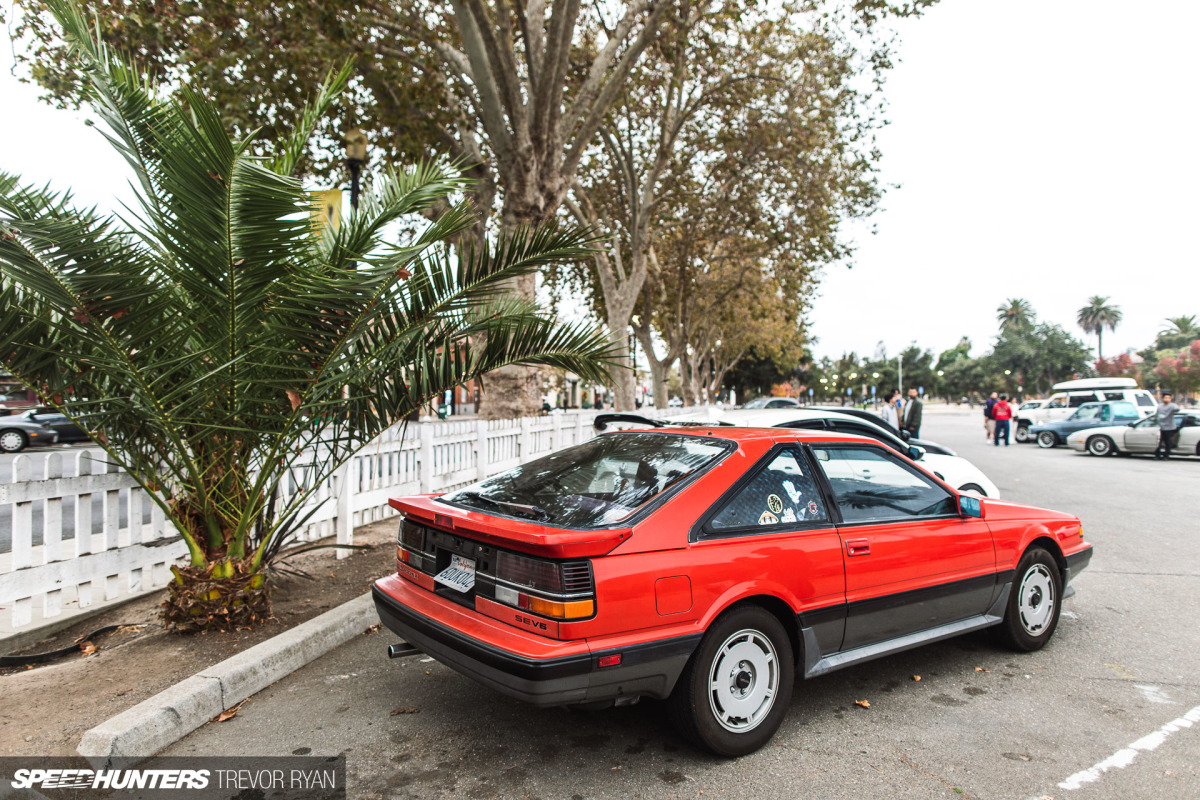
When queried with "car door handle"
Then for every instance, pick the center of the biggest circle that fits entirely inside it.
(858, 547)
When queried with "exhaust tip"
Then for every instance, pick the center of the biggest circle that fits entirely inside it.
(401, 649)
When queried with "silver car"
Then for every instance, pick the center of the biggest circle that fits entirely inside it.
(1138, 437)
(17, 433)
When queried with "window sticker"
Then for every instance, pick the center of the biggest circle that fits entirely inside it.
(792, 491)
(788, 515)
(774, 504)
(767, 518)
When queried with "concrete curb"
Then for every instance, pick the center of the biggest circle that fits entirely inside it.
(168, 716)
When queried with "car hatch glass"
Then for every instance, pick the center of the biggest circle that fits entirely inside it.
(877, 487)
(781, 493)
(594, 484)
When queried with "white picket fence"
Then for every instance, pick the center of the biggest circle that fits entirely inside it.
(59, 578)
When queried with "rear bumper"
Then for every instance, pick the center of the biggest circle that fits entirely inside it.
(543, 679)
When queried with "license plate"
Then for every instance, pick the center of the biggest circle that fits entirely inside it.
(460, 575)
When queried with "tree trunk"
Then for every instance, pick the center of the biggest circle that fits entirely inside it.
(624, 375)
(659, 367)
(514, 391)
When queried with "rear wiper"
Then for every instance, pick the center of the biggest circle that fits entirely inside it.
(533, 512)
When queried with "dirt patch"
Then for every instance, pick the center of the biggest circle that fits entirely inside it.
(47, 708)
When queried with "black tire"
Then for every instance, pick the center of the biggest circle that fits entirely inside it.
(1047, 439)
(13, 441)
(973, 487)
(1031, 616)
(1022, 434)
(694, 712)
(1101, 446)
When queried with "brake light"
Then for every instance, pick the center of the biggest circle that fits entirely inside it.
(410, 547)
(548, 588)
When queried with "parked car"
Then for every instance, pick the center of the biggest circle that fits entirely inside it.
(1088, 415)
(17, 433)
(954, 470)
(1070, 395)
(877, 421)
(711, 566)
(772, 402)
(67, 430)
(1138, 437)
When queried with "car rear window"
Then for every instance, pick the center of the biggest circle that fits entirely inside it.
(595, 484)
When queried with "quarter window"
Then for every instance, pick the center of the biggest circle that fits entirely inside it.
(780, 494)
(1079, 399)
(870, 485)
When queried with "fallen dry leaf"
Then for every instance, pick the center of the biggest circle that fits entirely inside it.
(405, 710)
(916, 677)
(863, 703)
(981, 669)
(228, 713)
(87, 648)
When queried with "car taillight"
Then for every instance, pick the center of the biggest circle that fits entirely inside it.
(411, 549)
(559, 590)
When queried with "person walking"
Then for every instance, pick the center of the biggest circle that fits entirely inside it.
(1168, 426)
(1001, 414)
(989, 422)
(912, 414)
(889, 412)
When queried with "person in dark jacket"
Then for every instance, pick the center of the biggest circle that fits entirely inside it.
(989, 422)
(912, 415)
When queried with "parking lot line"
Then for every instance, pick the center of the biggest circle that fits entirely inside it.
(1125, 756)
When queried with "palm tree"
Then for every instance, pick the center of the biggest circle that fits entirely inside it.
(1096, 316)
(214, 337)
(1181, 326)
(1014, 315)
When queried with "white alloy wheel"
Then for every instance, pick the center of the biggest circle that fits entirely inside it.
(1035, 599)
(1100, 446)
(743, 681)
(1047, 439)
(12, 441)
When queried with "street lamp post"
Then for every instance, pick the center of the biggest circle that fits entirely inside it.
(356, 158)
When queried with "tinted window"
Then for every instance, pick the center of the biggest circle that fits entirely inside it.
(597, 483)
(871, 432)
(1113, 395)
(1057, 401)
(873, 486)
(779, 494)
(1087, 412)
(1077, 400)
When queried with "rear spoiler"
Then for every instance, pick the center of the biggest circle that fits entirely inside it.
(602, 421)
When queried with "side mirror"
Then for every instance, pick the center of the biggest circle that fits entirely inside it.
(970, 506)
(916, 453)
(905, 435)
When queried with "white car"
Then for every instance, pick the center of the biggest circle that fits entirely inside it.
(1138, 437)
(954, 470)
(1070, 395)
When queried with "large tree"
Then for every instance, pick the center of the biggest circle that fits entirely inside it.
(209, 338)
(1097, 315)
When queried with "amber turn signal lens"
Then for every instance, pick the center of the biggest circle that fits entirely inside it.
(401, 554)
(552, 608)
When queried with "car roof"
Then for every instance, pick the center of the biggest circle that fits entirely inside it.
(763, 417)
(755, 433)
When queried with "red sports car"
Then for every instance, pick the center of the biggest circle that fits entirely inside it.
(709, 566)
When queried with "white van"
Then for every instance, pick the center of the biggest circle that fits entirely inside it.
(1070, 395)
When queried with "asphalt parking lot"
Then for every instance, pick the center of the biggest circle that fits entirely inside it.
(1094, 715)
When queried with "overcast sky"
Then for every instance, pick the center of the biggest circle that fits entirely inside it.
(1043, 149)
